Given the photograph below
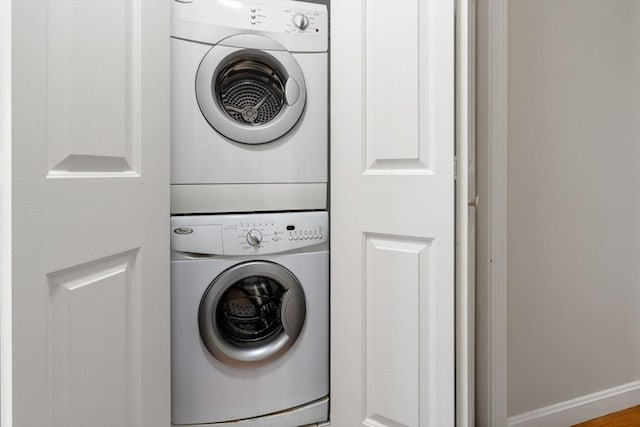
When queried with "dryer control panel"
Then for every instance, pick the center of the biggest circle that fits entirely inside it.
(249, 234)
(299, 26)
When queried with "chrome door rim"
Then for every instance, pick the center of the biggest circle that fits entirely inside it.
(217, 59)
(293, 313)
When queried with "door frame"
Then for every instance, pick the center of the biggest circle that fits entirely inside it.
(492, 136)
(6, 402)
(465, 213)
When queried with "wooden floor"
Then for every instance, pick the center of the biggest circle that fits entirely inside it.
(627, 418)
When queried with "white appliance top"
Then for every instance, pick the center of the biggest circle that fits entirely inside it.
(299, 26)
(249, 234)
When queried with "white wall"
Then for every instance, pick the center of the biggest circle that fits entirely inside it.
(573, 199)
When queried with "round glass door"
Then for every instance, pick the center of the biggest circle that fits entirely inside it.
(250, 95)
(252, 312)
(250, 91)
(249, 311)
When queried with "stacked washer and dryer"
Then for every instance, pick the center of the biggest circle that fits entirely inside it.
(249, 227)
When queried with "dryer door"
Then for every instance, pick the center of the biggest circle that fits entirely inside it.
(252, 312)
(250, 89)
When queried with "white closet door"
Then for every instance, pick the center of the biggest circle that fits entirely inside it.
(88, 344)
(392, 212)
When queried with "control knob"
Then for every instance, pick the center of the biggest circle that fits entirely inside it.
(301, 21)
(254, 237)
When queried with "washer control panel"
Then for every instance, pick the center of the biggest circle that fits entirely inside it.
(248, 234)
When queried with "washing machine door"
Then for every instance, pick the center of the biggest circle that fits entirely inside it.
(250, 89)
(252, 312)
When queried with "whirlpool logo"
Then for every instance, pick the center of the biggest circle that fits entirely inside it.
(183, 230)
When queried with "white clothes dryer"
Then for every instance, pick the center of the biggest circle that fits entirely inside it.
(249, 124)
(250, 320)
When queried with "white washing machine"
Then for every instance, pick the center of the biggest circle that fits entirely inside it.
(250, 319)
(249, 91)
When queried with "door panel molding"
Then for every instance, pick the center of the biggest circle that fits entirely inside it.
(399, 344)
(386, 95)
(92, 317)
(99, 97)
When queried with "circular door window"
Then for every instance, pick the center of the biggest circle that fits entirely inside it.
(250, 91)
(249, 95)
(252, 312)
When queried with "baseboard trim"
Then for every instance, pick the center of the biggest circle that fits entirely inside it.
(581, 409)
